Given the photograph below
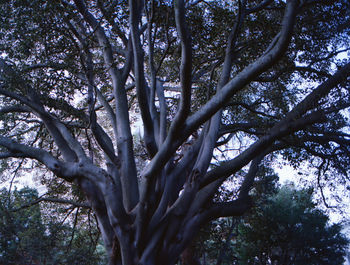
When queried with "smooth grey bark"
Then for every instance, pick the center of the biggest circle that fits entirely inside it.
(142, 89)
(150, 219)
(124, 139)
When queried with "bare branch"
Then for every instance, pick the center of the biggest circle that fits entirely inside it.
(15, 108)
(320, 186)
(119, 32)
(259, 7)
(249, 178)
(55, 200)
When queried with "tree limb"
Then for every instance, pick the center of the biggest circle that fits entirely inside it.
(124, 140)
(142, 89)
(185, 67)
(55, 200)
(254, 69)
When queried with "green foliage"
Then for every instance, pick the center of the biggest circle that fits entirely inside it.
(215, 241)
(290, 230)
(38, 39)
(22, 234)
(284, 226)
(27, 237)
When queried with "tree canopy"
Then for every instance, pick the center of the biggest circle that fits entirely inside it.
(30, 235)
(285, 226)
(218, 88)
(288, 229)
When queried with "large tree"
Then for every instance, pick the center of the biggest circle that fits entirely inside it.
(218, 86)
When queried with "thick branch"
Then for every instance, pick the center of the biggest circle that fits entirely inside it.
(235, 85)
(124, 140)
(38, 109)
(281, 129)
(243, 78)
(249, 178)
(211, 135)
(15, 108)
(22, 150)
(185, 67)
(141, 86)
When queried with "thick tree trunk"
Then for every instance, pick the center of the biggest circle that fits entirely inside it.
(153, 221)
(189, 256)
(156, 256)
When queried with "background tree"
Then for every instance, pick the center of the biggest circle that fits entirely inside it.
(284, 226)
(216, 243)
(30, 237)
(289, 229)
(22, 235)
(219, 87)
